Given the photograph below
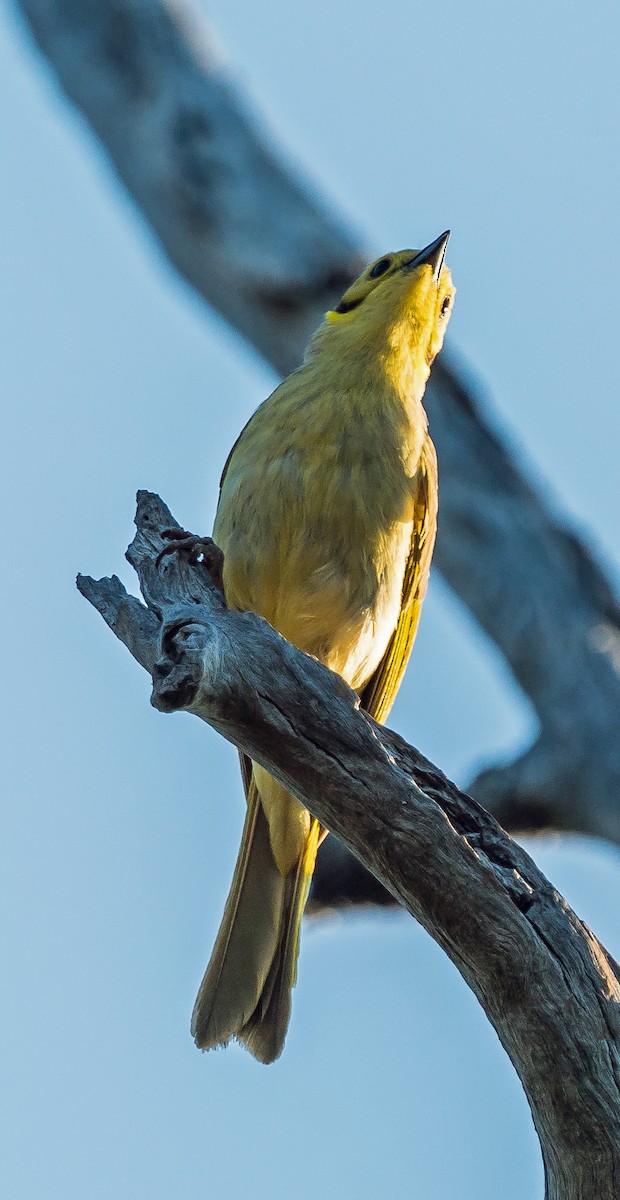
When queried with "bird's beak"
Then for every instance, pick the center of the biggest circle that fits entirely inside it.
(431, 256)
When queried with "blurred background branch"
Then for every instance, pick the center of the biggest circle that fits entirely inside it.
(260, 247)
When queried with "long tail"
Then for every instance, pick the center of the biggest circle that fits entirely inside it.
(246, 989)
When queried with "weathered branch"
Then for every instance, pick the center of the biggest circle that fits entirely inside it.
(259, 247)
(545, 982)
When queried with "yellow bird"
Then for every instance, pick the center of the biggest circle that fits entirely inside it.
(326, 517)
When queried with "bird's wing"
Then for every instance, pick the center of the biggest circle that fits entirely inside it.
(231, 452)
(247, 426)
(245, 762)
(380, 692)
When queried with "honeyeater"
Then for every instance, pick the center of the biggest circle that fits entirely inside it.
(326, 517)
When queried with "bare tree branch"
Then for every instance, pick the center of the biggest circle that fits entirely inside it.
(258, 245)
(548, 986)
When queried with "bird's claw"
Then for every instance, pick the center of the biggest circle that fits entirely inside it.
(196, 549)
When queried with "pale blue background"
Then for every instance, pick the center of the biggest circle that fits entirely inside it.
(120, 825)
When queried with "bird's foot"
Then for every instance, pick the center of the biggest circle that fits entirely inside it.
(197, 550)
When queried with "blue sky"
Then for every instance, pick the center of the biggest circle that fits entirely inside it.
(121, 825)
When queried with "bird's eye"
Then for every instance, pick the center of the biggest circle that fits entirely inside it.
(379, 268)
(445, 306)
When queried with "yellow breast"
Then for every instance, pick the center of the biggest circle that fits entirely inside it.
(315, 518)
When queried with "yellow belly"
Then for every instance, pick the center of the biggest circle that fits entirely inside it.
(340, 608)
(319, 550)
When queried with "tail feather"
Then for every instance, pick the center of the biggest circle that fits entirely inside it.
(246, 989)
(247, 940)
(264, 1033)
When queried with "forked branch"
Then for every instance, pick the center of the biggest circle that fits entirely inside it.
(547, 985)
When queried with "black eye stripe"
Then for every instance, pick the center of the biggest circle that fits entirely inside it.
(380, 268)
(345, 306)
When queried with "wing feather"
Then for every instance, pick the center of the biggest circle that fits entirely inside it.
(380, 692)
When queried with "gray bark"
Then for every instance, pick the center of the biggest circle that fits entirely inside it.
(258, 245)
(547, 985)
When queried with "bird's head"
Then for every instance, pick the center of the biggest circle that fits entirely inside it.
(396, 311)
